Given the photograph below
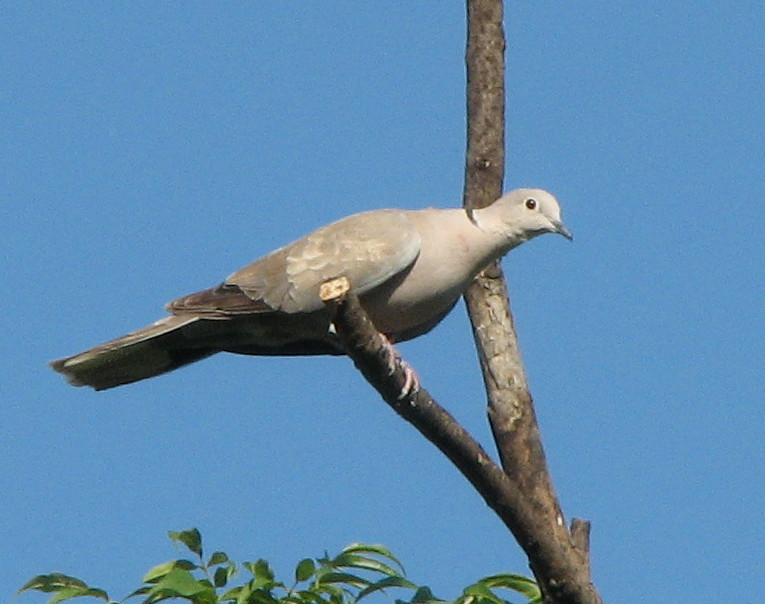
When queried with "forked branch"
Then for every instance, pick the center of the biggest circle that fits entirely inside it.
(558, 558)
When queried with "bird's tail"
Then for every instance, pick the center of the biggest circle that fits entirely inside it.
(161, 347)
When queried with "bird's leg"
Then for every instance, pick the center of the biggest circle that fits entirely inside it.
(393, 357)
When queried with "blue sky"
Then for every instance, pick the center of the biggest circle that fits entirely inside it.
(150, 149)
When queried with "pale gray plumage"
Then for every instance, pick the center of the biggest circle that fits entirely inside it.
(409, 268)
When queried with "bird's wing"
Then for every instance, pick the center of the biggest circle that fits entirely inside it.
(367, 248)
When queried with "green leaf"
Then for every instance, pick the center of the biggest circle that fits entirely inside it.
(260, 569)
(179, 582)
(217, 558)
(232, 594)
(264, 584)
(481, 593)
(304, 570)
(252, 595)
(156, 573)
(190, 538)
(371, 548)
(350, 560)
(53, 582)
(159, 571)
(519, 583)
(346, 578)
(244, 595)
(223, 574)
(139, 592)
(424, 595)
(384, 584)
(64, 587)
(335, 592)
(76, 592)
(308, 596)
(332, 582)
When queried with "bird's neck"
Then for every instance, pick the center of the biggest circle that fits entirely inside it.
(496, 231)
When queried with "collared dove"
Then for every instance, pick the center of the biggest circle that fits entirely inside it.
(408, 267)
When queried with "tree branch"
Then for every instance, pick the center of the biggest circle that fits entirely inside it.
(371, 353)
(522, 494)
(559, 559)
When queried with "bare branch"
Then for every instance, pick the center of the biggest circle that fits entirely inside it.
(371, 353)
(383, 369)
(522, 494)
(580, 535)
(559, 559)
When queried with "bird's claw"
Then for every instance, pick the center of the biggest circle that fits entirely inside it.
(411, 383)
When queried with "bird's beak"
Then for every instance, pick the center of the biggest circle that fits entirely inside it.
(561, 229)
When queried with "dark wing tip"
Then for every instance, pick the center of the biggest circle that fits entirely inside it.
(225, 299)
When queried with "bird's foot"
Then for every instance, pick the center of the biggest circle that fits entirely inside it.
(411, 383)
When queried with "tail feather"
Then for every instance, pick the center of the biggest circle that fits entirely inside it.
(153, 350)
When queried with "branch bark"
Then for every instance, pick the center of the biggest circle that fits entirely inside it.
(521, 492)
(387, 373)
(558, 558)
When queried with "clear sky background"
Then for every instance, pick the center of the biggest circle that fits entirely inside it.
(147, 150)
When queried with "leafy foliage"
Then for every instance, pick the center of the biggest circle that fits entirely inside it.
(358, 571)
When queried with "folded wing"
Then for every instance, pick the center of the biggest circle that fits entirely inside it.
(367, 248)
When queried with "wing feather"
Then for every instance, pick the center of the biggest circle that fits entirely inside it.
(368, 248)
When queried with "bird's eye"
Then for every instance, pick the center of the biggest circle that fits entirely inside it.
(531, 203)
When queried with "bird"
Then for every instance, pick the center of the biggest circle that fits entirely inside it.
(408, 267)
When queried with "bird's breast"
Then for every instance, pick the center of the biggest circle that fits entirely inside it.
(413, 302)
(452, 251)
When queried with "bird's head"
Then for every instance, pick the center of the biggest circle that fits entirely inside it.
(526, 213)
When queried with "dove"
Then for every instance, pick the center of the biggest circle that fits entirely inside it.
(408, 267)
